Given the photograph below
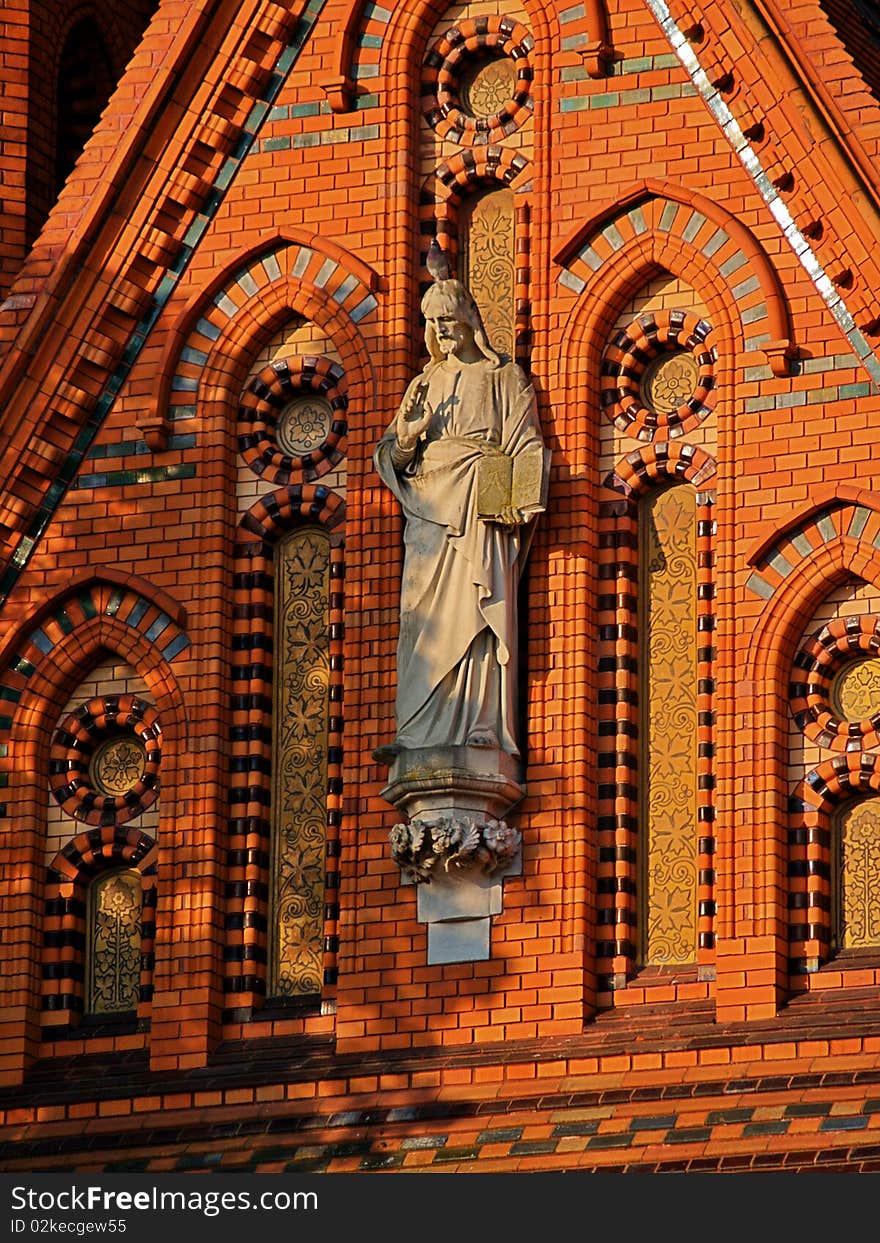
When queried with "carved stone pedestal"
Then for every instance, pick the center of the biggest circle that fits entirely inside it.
(456, 847)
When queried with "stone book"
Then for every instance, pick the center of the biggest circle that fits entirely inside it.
(505, 482)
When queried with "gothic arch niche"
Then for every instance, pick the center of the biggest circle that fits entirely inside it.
(103, 780)
(287, 766)
(834, 830)
(476, 141)
(656, 881)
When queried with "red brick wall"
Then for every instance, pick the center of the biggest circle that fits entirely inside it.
(321, 220)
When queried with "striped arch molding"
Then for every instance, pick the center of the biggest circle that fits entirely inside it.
(243, 291)
(95, 600)
(693, 233)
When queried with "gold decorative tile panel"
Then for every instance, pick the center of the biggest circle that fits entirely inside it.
(668, 757)
(300, 760)
(855, 692)
(859, 871)
(114, 951)
(488, 264)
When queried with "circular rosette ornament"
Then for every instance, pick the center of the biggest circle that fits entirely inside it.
(658, 375)
(292, 424)
(104, 760)
(476, 84)
(835, 687)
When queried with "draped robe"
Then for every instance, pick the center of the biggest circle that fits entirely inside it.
(457, 651)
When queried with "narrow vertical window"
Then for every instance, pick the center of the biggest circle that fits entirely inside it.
(300, 761)
(668, 752)
(855, 879)
(115, 924)
(488, 265)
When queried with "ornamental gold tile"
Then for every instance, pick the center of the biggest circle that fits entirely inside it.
(669, 725)
(488, 264)
(300, 759)
(859, 862)
(114, 957)
(855, 692)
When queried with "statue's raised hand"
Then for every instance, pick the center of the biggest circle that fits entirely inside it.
(413, 418)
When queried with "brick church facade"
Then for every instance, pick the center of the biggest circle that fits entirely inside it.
(215, 222)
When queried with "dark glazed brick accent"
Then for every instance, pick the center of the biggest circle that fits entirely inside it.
(610, 1141)
(856, 1122)
(753, 1129)
(688, 1135)
(532, 1147)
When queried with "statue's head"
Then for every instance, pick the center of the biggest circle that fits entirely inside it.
(450, 299)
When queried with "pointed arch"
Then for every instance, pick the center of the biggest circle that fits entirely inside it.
(590, 22)
(683, 214)
(45, 664)
(220, 329)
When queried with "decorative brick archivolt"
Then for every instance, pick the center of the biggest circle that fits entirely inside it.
(224, 327)
(684, 233)
(360, 51)
(248, 879)
(619, 863)
(114, 608)
(478, 44)
(812, 536)
(794, 571)
(637, 396)
(104, 761)
(65, 931)
(811, 841)
(177, 191)
(311, 390)
(845, 645)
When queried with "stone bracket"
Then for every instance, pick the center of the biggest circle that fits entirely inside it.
(456, 846)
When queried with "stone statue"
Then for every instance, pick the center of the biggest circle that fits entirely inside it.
(465, 458)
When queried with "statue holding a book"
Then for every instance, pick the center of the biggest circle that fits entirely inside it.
(466, 460)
